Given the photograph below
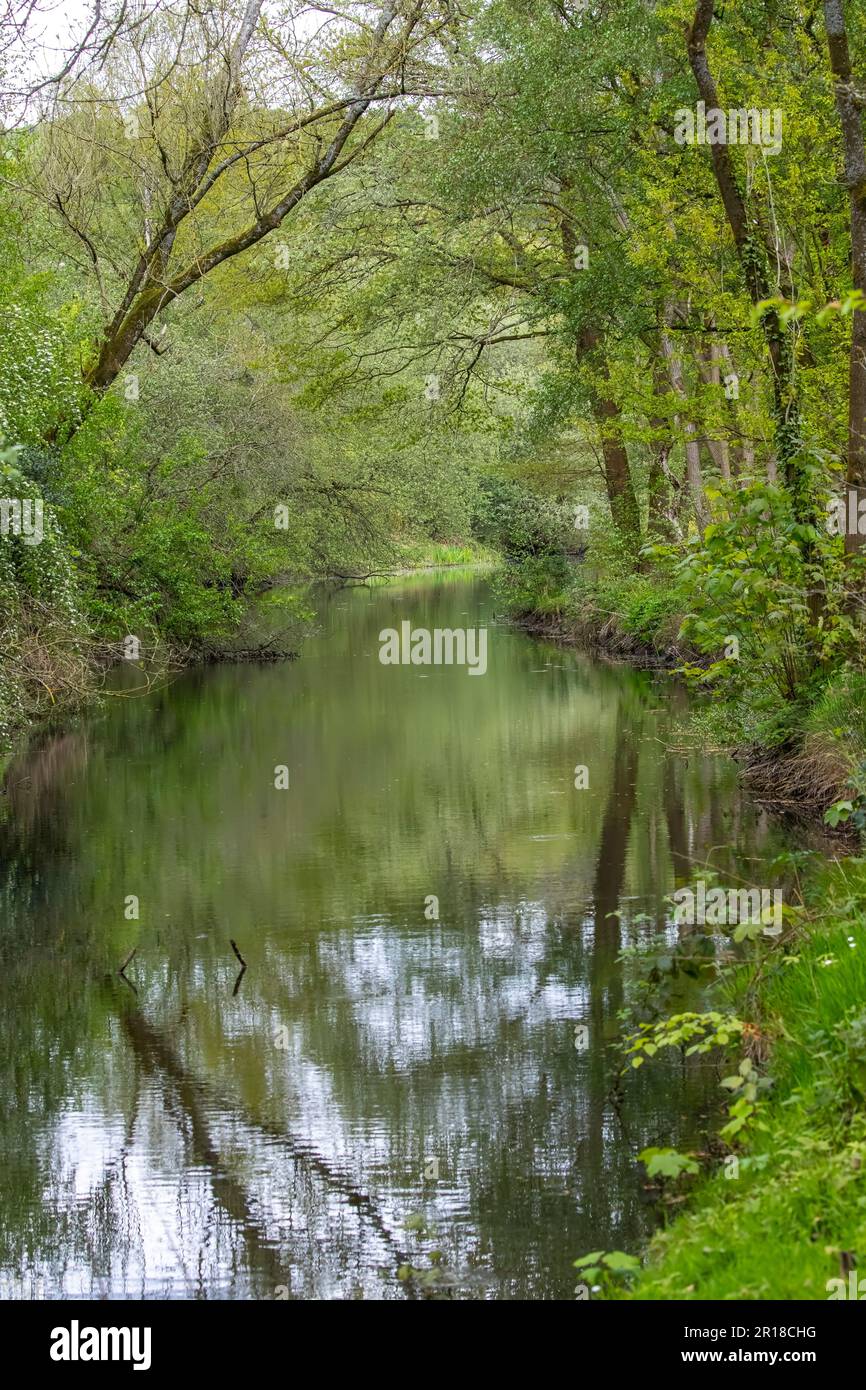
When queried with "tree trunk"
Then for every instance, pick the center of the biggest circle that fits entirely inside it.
(692, 445)
(663, 489)
(709, 365)
(754, 255)
(621, 495)
(617, 473)
(848, 106)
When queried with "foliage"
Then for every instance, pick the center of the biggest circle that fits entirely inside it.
(518, 523)
(606, 1269)
(750, 578)
(801, 1170)
(233, 294)
(667, 1163)
(696, 1033)
(852, 810)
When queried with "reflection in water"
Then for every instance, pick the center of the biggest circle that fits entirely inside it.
(193, 1134)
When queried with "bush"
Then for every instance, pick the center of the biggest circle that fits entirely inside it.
(519, 523)
(647, 607)
(536, 584)
(42, 632)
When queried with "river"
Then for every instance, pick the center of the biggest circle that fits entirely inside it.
(392, 1081)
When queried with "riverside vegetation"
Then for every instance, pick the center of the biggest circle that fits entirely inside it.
(436, 282)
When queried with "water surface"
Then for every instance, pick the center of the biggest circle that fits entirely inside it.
(193, 1135)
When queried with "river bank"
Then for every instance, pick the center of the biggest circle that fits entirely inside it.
(778, 1209)
(56, 665)
(780, 1213)
(799, 771)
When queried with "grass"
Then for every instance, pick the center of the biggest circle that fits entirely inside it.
(643, 608)
(423, 554)
(618, 610)
(836, 720)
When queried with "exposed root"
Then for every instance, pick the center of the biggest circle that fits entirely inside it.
(799, 781)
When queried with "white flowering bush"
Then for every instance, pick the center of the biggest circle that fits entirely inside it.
(40, 384)
(42, 656)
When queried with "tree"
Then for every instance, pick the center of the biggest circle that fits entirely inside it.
(207, 129)
(755, 254)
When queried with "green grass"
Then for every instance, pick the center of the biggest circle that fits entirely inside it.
(838, 714)
(421, 554)
(645, 606)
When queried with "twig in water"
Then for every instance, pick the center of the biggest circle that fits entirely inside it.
(126, 962)
(242, 970)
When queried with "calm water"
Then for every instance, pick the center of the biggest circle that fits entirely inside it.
(198, 1137)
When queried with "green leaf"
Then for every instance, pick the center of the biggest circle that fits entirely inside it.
(621, 1263)
(667, 1163)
